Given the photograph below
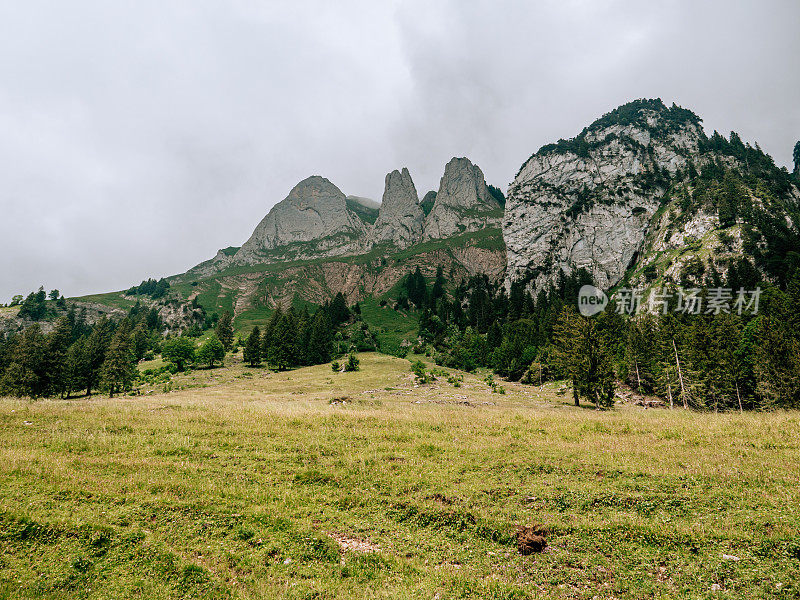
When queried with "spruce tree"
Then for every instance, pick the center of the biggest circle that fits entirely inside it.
(58, 344)
(320, 339)
(438, 285)
(96, 348)
(119, 366)
(252, 348)
(339, 312)
(797, 160)
(224, 330)
(269, 333)
(141, 340)
(26, 375)
(303, 338)
(282, 345)
(581, 352)
(75, 367)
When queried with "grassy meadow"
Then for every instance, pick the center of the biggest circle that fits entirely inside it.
(243, 483)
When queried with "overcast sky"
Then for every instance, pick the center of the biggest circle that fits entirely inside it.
(137, 138)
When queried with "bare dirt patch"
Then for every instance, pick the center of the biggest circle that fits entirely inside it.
(353, 544)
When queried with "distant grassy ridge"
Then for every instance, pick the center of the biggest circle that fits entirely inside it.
(114, 299)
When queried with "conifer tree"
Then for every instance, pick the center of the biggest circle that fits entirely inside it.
(581, 353)
(75, 367)
(252, 348)
(303, 338)
(58, 344)
(320, 339)
(224, 330)
(141, 340)
(119, 366)
(282, 350)
(96, 348)
(26, 373)
(339, 312)
(438, 285)
(797, 160)
(268, 336)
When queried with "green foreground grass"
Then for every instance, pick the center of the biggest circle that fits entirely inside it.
(313, 484)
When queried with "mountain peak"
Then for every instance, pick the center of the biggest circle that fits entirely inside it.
(400, 218)
(314, 213)
(463, 202)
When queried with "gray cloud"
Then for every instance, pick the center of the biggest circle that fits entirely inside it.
(138, 139)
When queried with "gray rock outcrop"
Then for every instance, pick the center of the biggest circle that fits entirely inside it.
(463, 202)
(400, 218)
(587, 202)
(311, 222)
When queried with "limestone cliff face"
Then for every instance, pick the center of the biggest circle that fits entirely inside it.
(312, 221)
(400, 218)
(587, 202)
(463, 202)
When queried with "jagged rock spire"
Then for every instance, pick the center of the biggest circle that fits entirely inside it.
(463, 202)
(400, 218)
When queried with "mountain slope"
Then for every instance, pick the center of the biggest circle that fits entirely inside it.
(592, 201)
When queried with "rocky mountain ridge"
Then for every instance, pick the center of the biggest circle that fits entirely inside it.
(598, 201)
(316, 220)
(641, 196)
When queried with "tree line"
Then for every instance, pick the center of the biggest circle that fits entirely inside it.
(76, 357)
(294, 338)
(706, 361)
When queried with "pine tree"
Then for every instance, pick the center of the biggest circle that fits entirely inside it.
(96, 348)
(26, 374)
(581, 352)
(282, 346)
(58, 344)
(797, 160)
(640, 353)
(494, 336)
(268, 336)
(320, 339)
(339, 312)
(417, 289)
(438, 285)
(75, 367)
(303, 338)
(777, 353)
(119, 366)
(224, 330)
(252, 348)
(141, 340)
(153, 320)
(516, 301)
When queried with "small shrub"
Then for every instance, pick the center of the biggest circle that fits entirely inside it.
(335, 366)
(421, 374)
(352, 364)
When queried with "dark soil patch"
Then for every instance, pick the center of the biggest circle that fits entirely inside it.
(531, 539)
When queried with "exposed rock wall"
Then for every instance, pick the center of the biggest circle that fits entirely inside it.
(400, 218)
(587, 202)
(463, 202)
(313, 218)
